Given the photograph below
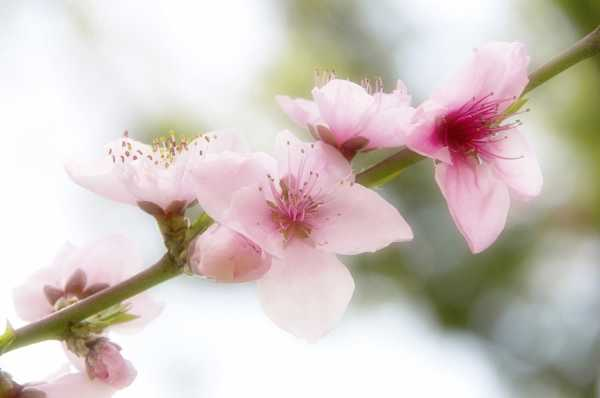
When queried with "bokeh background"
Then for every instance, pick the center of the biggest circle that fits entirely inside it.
(428, 319)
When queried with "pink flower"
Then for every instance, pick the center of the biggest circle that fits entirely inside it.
(479, 157)
(71, 385)
(348, 117)
(77, 273)
(302, 208)
(149, 176)
(226, 256)
(105, 363)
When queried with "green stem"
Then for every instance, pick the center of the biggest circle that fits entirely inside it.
(199, 226)
(387, 169)
(54, 326)
(583, 49)
(392, 166)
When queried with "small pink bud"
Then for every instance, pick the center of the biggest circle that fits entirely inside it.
(226, 256)
(105, 363)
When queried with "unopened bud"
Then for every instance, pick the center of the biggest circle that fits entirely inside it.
(226, 256)
(104, 362)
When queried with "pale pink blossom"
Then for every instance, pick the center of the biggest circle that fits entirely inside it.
(105, 363)
(77, 273)
(302, 208)
(479, 157)
(347, 116)
(149, 176)
(70, 385)
(227, 256)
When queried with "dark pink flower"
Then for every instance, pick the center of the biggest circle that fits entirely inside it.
(479, 156)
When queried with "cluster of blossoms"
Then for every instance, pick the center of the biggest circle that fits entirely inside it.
(282, 219)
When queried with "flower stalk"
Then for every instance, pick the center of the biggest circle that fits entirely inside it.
(177, 236)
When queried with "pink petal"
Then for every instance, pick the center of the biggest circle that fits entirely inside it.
(108, 260)
(477, 200)
(358, 220)
(421, 136)
(226, 256)
(100, 176)
(133, 172)
(218, 142)
(517, 165)
(250, 215)
(496, 67)
(75, 385)
(343, 106)
(387, 128)
(29, 299)
(301, 111)
(399, 97)
(215, 179)
(307, 292)
(297, 157)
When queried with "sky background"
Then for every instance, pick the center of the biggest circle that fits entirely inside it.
(427, 319)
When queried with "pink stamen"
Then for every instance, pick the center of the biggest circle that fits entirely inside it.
(471, 128)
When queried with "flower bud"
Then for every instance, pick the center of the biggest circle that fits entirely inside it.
(105, 363)
(226, 256)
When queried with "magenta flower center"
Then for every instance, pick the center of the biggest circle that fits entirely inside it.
(470, 129)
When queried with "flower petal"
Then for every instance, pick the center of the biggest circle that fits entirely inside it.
(216, 178)
(301, 111)
(227, 256)
(109, 260)
(100, 176)
(250, 215)
(307, 292)
(421, 136)
(343, 105)
(29, 299)
(517, 165)
(496, 67)
(357, 220)
(301, 158)
(477, 200)
(75, 385)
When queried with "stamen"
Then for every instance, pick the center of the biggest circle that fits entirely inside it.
(477, 123)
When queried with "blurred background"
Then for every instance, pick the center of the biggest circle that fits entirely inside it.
(428, 319)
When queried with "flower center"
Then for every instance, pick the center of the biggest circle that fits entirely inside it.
(294, 206)
(75, 289)
(295, 198)
(470, 129)
(163, 151)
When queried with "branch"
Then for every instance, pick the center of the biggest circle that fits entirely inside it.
(583, 49)
(54, 326)
(388, 169)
